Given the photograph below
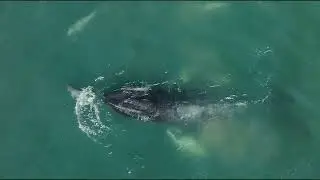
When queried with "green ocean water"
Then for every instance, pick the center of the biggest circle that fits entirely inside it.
(264, 49)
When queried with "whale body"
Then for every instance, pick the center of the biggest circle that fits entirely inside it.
(156, 103)
(163, 104)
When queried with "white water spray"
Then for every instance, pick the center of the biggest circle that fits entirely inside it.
(88, 114)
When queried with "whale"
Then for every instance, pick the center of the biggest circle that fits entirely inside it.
(210, 112)
(166, 104)
(159, 103)
(151, 103)
(155, 104)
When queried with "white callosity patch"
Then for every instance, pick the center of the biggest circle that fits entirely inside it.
(79, 25)
(88, 115)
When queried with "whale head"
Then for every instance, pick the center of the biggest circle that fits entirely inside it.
(133, 102)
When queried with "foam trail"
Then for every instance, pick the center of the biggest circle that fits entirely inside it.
(88, 114)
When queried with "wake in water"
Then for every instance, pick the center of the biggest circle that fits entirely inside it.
(88, 114)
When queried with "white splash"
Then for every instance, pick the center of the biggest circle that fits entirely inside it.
(79, 25)
(88, 115)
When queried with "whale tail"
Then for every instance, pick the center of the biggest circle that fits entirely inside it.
(74, 92)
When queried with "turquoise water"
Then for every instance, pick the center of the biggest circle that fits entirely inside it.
(263, 49)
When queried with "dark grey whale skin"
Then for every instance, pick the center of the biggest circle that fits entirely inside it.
(135, 102)
(160, 103)
(156, 103)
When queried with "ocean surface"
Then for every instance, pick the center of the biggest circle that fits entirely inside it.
(268, 51)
